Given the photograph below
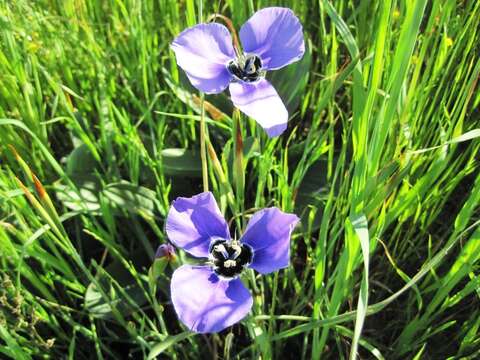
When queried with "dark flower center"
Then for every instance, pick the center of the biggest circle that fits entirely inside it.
(248, 68)
(229, 258)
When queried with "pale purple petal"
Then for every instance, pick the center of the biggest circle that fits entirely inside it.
(193, 222)
(203, 51)
(275, 34)
(268, 233)
(204, 302)
(260, 101)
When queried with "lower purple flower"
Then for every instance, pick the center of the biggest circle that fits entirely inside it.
(211, 297)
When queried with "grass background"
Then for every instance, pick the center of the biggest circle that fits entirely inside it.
(380, 160)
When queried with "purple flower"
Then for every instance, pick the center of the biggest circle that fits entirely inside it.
(272, 38)
(211, 297)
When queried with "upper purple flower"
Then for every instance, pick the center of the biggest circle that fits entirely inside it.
(211, 297)
(272, 38)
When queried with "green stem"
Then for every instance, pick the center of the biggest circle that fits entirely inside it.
(262, 339)
(238, 165)
(203, 151)
(203, 131)
(271, 324)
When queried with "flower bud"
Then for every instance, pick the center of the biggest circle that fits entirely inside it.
(166, 250)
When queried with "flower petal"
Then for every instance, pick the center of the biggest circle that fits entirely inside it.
(260, 101)
(275, 34)
(204, 51)
(204, 302)
(193, 222)
(268, 233)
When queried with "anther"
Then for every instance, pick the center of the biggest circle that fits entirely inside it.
(237, 248)
(230, 263)
(221, 249)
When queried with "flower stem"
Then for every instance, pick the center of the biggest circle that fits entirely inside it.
(225, 187)
(253, 281)
(271, 323)
(238, 167)
(261, 331)
(203, 151)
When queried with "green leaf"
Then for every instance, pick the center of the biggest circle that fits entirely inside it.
(181, 162)
(360, 226)
(124, 196)
(118, 290)
(81, 166)
(291, 81)
(13, 348)
(101, 308)
(85, 197)
(313, 191)
(168, 342)
(470, 135)
(81, 161)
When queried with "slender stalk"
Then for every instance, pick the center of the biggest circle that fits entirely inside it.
(225, 187)
(203, 151)
(238, 166)
(261, 341)
(203, 130)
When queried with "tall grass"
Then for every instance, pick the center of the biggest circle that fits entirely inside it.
(99, 131)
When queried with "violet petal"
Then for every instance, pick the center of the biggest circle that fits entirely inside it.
(203, 51)
(260, 101)
(192, 223)
(204, 302)
(275, 34)
(268, 233)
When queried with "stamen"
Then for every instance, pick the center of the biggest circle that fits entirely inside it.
(230, 263)
(221, 249)
(237, 248)
(250, 66)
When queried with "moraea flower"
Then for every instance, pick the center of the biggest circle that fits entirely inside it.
(272, 38)
(211, 297)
